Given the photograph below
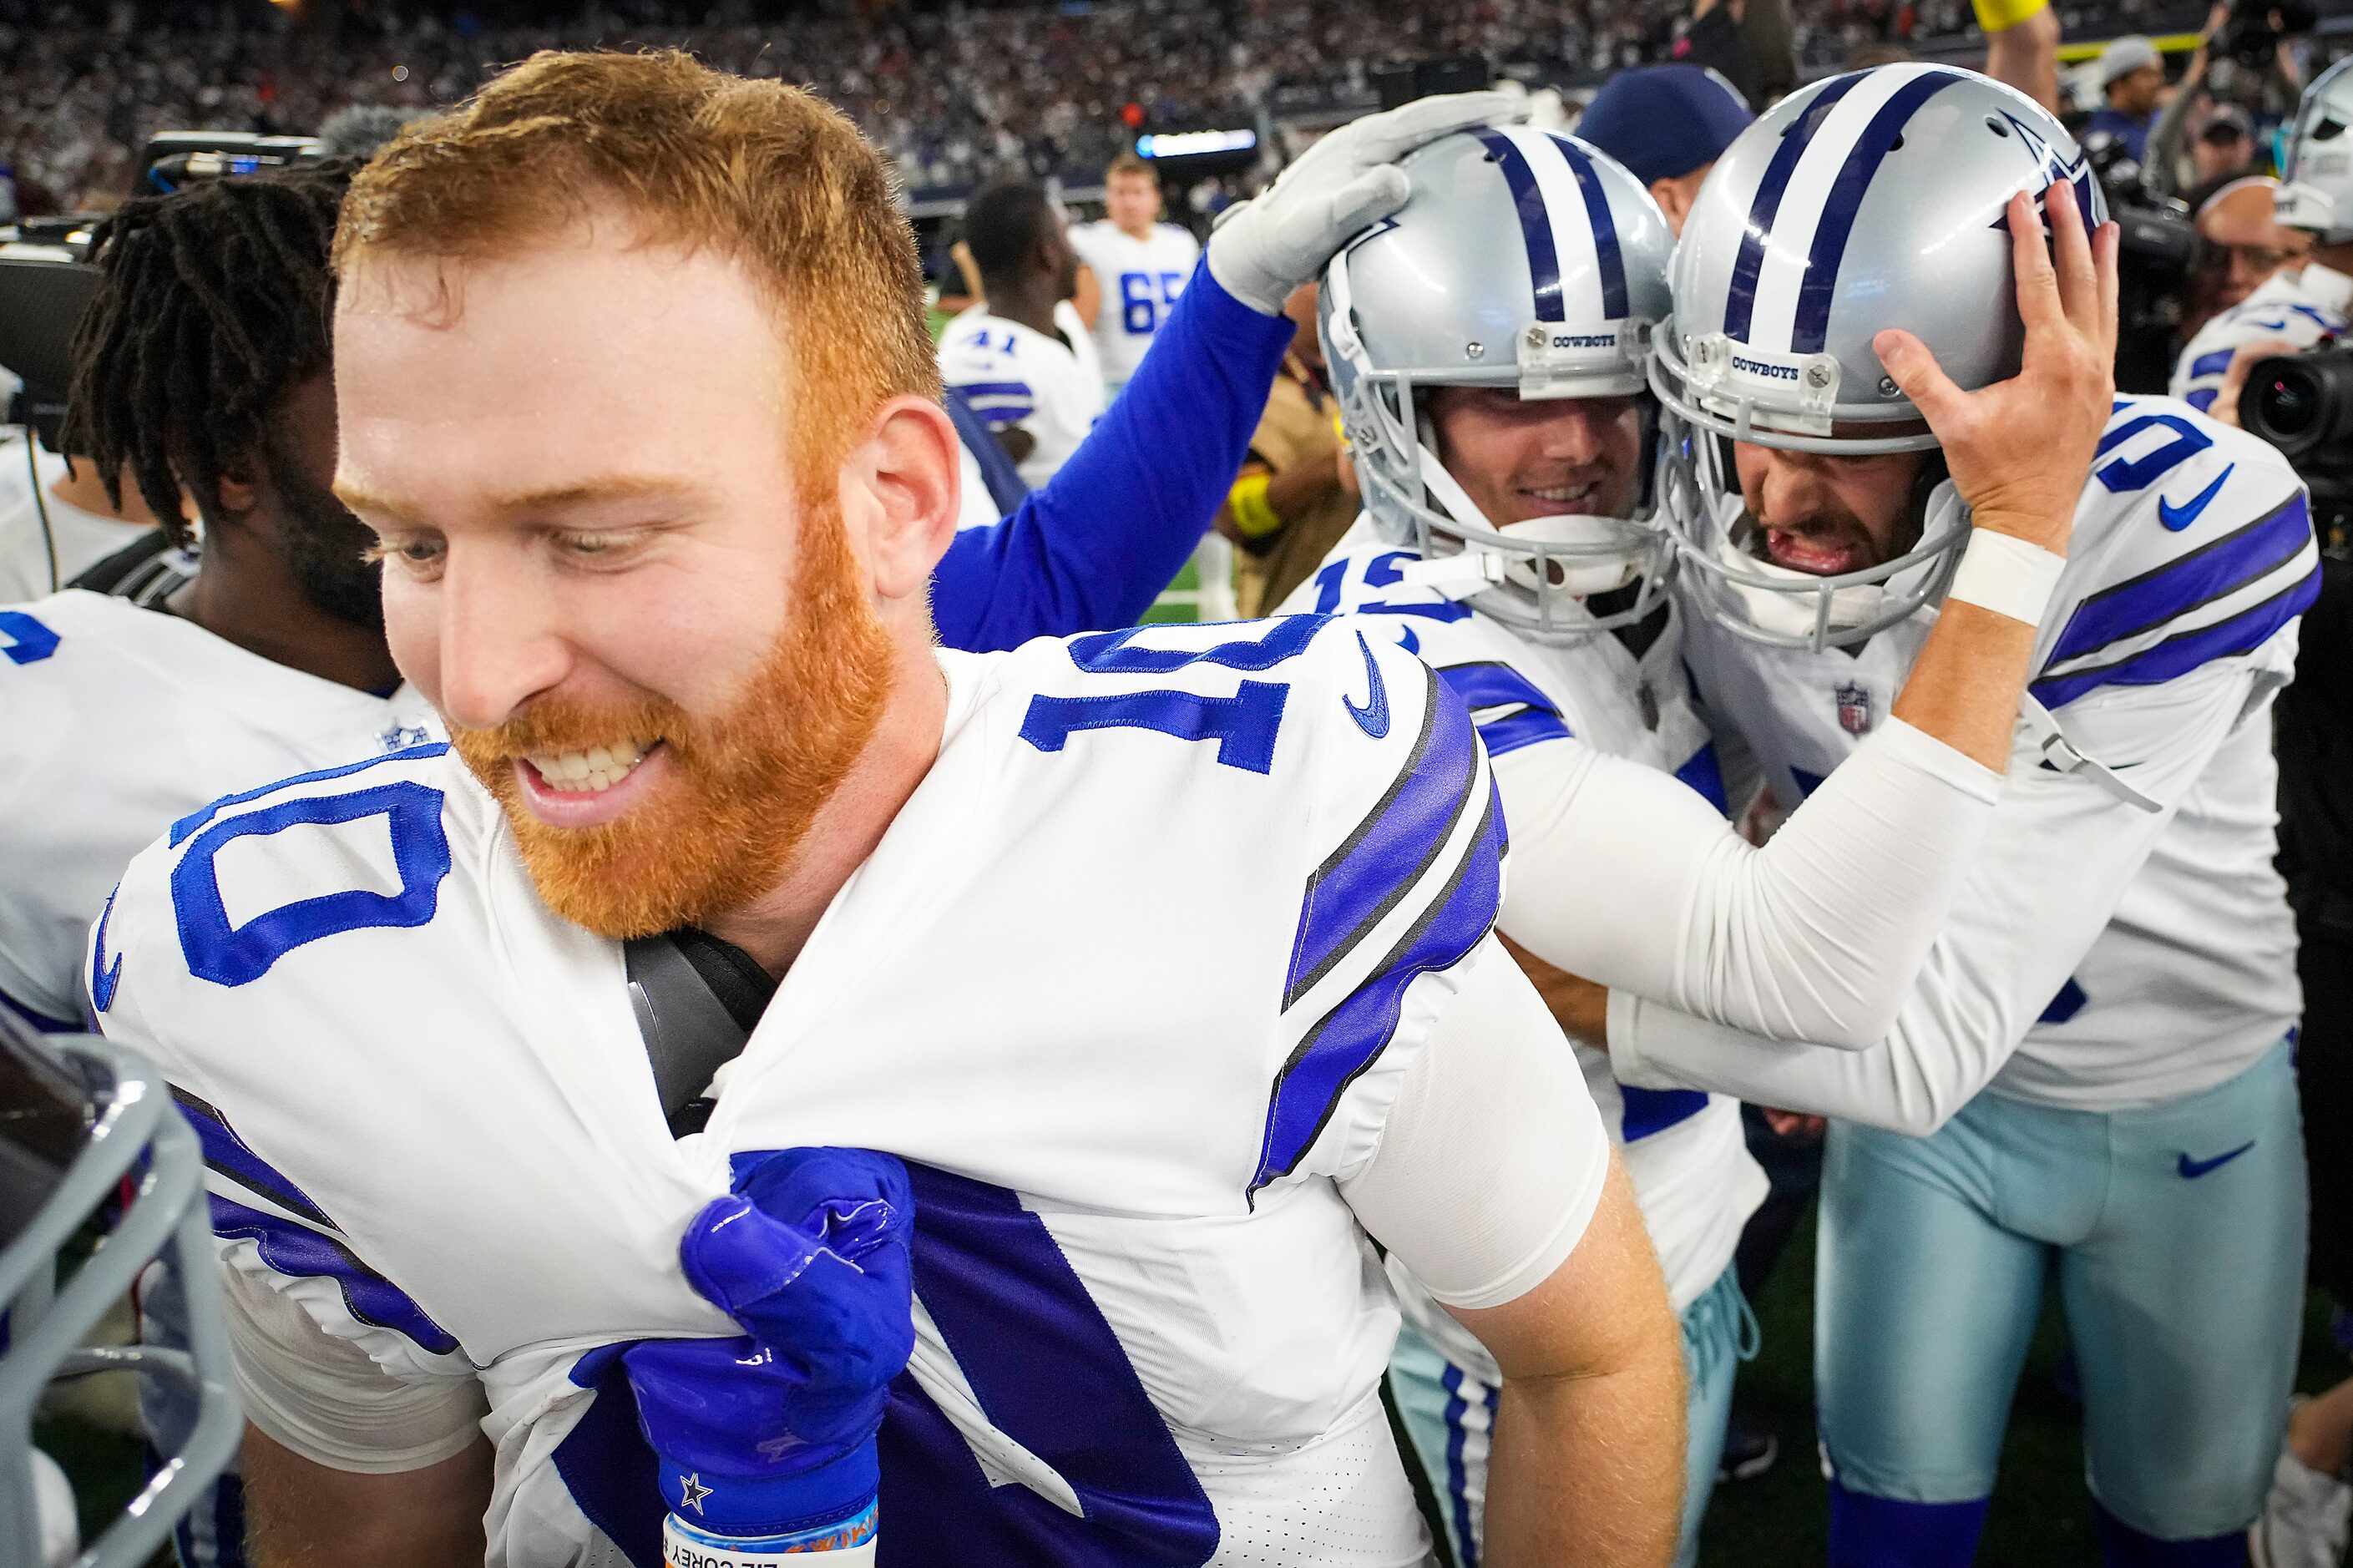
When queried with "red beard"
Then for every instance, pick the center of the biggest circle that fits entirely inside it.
(744, 785)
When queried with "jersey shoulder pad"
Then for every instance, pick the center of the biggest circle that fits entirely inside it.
(233, 889)
(2193, 543)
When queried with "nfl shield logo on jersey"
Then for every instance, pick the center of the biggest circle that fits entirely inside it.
(1854, 708)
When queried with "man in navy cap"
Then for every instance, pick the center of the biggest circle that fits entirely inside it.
(1667, 124)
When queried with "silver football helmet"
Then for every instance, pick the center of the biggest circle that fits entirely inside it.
(2317, 189)
(1866, 201)
(81, 1121)
(1521, 259)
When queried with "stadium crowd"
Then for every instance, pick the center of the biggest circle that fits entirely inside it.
(953, 96)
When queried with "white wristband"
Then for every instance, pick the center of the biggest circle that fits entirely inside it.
(2006, 575)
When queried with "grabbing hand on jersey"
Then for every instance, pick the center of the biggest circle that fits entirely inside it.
(1265, 247)
(2019, 449)
(775, 1432)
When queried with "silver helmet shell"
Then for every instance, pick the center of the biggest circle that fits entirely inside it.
(2317, 189)
(88, 1121)
(1872, 200)
(1521, 259)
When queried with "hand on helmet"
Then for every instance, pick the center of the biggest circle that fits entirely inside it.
(1265, 247)
(2021, 450)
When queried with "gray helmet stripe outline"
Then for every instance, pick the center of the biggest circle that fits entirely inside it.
(1812, 325)
(1524, 175)
(1740, 304)
(1827, 161)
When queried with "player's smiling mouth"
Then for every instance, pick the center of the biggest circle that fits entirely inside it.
(592, 771)
(1560, 500)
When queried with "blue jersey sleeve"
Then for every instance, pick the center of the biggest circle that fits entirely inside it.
(1094, 546)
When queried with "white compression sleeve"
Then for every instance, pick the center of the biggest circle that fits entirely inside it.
(1493, 1157)
(326, 1400)
(1623, 875)
(2016, 933)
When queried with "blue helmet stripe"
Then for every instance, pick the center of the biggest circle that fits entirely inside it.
(1742, 304)
(1604, 229)
(1536, 224)
(1813, 324)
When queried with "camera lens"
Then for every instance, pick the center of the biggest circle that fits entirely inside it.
(2290, 405)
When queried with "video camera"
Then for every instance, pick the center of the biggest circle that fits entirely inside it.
(2158, 251)
(2252, 33)
(46, 281)
(2303, 404)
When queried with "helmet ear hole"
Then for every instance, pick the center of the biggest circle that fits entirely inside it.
(1994, 123)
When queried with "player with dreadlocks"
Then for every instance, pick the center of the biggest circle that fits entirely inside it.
(201, 367)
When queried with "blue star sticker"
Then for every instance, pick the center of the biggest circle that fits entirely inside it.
(692, 1491)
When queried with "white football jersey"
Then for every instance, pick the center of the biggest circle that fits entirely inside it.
(1149, 1328)
(81, 539)
(1139, 280)
(120, 721)
(1685, 1151)
(2170, 631)
(1014, 375)
(2303, 308)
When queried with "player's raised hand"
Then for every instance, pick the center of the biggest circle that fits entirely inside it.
(2021, 450)
(1265, 247)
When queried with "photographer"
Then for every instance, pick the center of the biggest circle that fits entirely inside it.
(2298, 308)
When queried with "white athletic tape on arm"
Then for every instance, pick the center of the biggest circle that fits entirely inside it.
(2007, 575)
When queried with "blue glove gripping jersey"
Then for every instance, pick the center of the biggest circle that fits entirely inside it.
(2170, 631)
(1149, 1326)
(1685, 1151)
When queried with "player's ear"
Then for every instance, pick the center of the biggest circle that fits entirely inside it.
(238, 492)
(1675, 202)
(903, 483)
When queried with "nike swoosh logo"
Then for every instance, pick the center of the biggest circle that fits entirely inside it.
(103, 978)
(2177, 518)
(2193, 1169)
(1373, 718)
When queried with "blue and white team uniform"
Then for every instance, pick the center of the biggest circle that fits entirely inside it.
(2094, 1070)
(2303, 310)
(1016, 375)
(119, 719)
(1140, 280)
(1150, 1322)
(1625, 694)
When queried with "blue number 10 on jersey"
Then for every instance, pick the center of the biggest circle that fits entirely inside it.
(230, 954)
(1244, 725)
